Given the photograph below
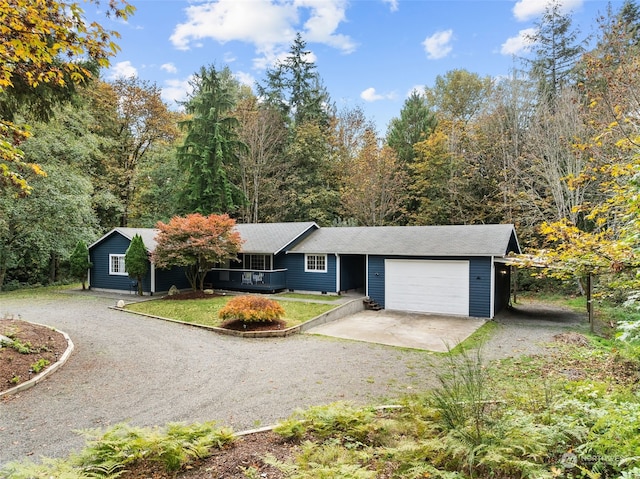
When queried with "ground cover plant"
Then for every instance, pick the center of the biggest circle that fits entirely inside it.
(206, 311)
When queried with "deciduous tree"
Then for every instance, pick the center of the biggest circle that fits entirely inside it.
(36, 231)
(142, 122)
(374, 185)
(435, 172)
(42, 42)
(261, 165)
(310, 190)
(459, 95)
(197, 243)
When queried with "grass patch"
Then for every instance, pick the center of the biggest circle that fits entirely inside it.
(205, 311)
(311, 297)
(477, 338)
(38, 292)
(575, 303)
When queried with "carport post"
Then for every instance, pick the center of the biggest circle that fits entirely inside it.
(590, 301)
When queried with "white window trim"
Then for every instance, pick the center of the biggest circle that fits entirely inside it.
(306, 263)
(117, 273)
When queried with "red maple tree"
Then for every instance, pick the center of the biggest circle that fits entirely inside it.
(197, 243)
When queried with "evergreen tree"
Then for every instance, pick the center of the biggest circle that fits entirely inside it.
(79, 262)
(136, 261)
(415, 124)
(629, 17)
(211, 146)
(294, 87)
(557, 50)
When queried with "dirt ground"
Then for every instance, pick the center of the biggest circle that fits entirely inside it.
(31, 349)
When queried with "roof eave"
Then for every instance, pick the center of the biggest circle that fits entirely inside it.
(283, 247)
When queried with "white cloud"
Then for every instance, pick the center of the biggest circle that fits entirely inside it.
(264, 23)
(245, 78)
(169, 68)
(371, 95)
(438, 45)
(122, 70)
(519, 44)
(270, 25)
(525, 10)
(176, 90)
(393, 5)
(324, 19)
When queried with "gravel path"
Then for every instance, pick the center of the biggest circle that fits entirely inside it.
(149, 372)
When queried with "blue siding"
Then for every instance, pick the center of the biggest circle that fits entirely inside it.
(480, 287)
(298, 279)
(479, 281)
(279, 261)
(99, 256)
(375, 279)
(175, 276)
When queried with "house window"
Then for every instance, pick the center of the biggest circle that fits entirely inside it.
(116, 264)
(315, 262)
(259, 262)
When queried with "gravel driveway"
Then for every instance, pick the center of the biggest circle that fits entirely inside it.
(149, 372)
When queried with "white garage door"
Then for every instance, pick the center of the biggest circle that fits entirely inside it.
(427, 286)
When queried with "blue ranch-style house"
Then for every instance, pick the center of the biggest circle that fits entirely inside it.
(457, 270)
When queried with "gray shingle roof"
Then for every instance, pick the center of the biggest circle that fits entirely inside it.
(455, 240)
(266, 238)
(271, 238)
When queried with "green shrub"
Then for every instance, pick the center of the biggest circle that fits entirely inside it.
(252, 309)
(39, 365)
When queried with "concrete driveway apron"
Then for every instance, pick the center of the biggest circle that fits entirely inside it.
(408, 330)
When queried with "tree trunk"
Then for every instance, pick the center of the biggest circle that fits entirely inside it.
(590, 302)
(54, 261)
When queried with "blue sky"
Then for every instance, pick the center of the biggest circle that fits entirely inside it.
(370, 53)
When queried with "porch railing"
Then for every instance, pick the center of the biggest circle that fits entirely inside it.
(247, 279)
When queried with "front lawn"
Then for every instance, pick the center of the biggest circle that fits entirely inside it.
(205, 311)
